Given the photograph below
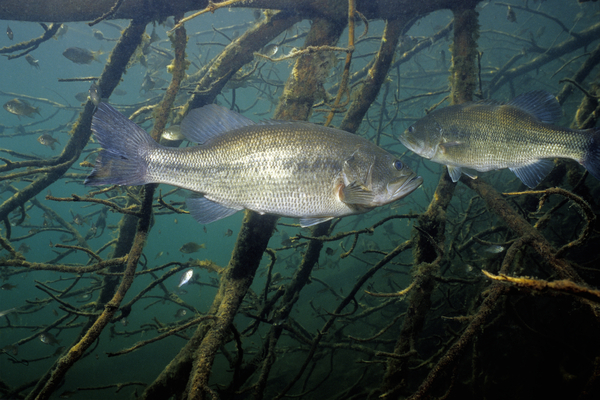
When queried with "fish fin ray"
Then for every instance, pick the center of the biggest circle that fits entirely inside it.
(205, 123)
(206, 211)
(120, 161)
(539, 103)
(304, 222)
(357, 194)
(454, 172)
(532, 174)
(591, 158)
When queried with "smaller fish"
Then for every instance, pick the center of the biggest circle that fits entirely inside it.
(58, 351)
(24, 248)
(160, 253)
(6, 312)
(49, 339)
(47, 140)
(173, 133)
(9, 33)
(61, 31)
(494, 249)
(98, 34)
(78, 219)
(20, 107)
(124, 321)
(329, 251)
(270, 50)
(81, 97)
(191, 247)
(82, 56)
(228, 233)
(119, 92)
(175, 221)
(147, 84)
(95, 94)
(511, 16)
(181, 313)
(7, 286)
(32, 61)
(185, 277)
(257, 14)
(10, 349)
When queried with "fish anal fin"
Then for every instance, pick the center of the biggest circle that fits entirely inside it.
(304, 222)
(206, 211)
(532, 174)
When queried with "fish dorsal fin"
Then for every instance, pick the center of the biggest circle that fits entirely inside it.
(534, 173)
(206, 211)
(540, 104)
(203, 124)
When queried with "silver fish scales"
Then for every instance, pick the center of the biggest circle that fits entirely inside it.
(292, 169)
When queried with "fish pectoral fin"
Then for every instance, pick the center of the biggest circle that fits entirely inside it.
(454, 172)
(206, 211)
(304, 222)
(532, 174)
(356, 194)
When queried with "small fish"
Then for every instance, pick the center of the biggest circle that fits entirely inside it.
(10, 349)
(147, 84)
(98, 34)
(511, 16)
(291, 169)
(228, 232)
(61, 31)
(270, 50)
(489, 135)
(81, 96)
(329, 251)
(48, 339)
(119, 92)
(124, 321)
(24, 248)
(8, 286)
(47, 140)
(257, 14)
(185, 277)
(181, 313)
(59, 351)
(6, 312)
(82, 56)
(494, 249)
(160, 253)
(191, 247)
(32, 61)
(78, 219)
(95, 94)
(175, 221)
(173, 133)
(9, 33)
(20, 107)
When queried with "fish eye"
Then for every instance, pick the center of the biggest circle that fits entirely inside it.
(411, 129)
(398, 165)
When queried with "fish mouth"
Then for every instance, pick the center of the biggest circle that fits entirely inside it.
(406, 187)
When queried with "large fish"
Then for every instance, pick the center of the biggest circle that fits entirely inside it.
(291, 169)
(489, 135)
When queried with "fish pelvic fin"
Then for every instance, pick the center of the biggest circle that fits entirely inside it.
(591, 158)
(124, 144)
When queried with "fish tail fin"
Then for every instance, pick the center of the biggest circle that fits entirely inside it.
(591, 158)
(124, 144)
